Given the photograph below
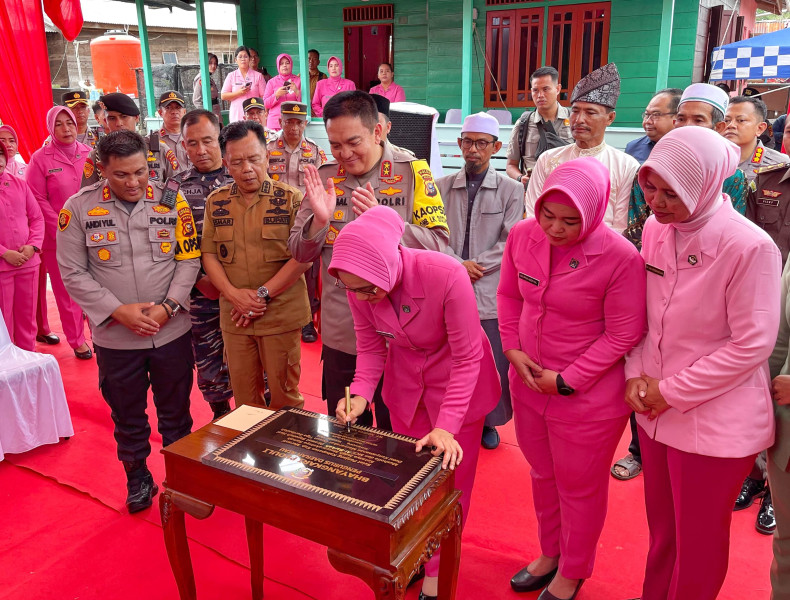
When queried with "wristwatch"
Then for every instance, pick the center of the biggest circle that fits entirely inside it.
(263, 293)
(36, 249)
(563, 388)
(175, 307)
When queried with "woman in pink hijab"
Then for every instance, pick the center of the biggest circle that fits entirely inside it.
(571, 304)
(698, 380)
(21, 236)
(14, 166)
(283, 87)
(326, 88)
(54, 175)
(440, 380)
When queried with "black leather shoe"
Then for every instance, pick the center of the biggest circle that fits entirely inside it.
(140, 486)
(751, 489)
(49, 338)
(220, 408)
(490, 437)
(424, 597)
(309, 334)
(86, 355)
(547, 595)
(766, 521)
(524, 581)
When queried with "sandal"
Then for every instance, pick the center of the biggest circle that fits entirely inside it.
(628, 463)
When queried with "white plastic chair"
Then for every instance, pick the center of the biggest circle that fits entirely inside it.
(453, 116)
(33, 407)
(505, 117)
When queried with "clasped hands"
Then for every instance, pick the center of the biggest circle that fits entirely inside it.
(247, 306)
(20, 256)
(439, 440)
(644, 397)
(535, 377)
(324, 199)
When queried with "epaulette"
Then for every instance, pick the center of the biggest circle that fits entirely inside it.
(770, 168)
(90, 188)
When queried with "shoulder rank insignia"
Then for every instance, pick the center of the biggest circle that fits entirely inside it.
(149, 192)
(769, 168)
(105, 193)
(758, 155)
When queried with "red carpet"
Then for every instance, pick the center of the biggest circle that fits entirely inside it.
(65, 533)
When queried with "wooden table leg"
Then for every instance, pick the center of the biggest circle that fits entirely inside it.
(255, 545)
(177, 546)
(450, 557)
(386, 585)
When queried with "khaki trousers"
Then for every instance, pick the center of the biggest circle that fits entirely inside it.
(278, 355)
(779, 480)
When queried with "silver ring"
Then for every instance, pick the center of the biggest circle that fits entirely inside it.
(250, 314)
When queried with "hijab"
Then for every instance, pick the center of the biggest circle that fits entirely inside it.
(368, 247)
(694, 161)
(583, 184)
(290, 61)
(8, 158)
(339, 62)
(10, 130)
(69, 150)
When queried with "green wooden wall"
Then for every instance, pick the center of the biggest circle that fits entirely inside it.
(427, 44)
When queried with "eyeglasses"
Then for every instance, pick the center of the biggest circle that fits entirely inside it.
(466, 143)
(646, 116)
(368, 291)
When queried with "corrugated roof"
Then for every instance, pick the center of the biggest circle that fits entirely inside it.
(219, 17)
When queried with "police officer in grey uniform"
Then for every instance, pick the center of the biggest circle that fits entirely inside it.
(201, 141)
(289, 153)
(130, 262)
(172, 109)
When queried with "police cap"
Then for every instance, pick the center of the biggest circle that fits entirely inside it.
(121, 103)
(382, 104)
(171, 96)
(72, 99)
(294, 110)
(253, 102)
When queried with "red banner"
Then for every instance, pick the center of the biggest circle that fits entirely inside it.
(66, 15)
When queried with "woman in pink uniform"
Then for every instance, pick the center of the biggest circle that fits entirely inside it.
(242, 84)
(283, 87)
(698, 381)
(21, 237)
(416, 322)
(54, 175)
(571, 303)
(326, 88)
(15, 166)
(388, 88)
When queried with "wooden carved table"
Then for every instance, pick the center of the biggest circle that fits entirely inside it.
(384, 552)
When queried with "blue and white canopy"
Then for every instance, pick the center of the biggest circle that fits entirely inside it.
(765, 56)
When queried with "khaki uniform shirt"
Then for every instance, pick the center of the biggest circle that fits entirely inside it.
(562, 127)
(173, 141)
(288, 166)
(251, 243)
(498, 205)
(109, 257)
(761, 157)
(768, 204)
(402, 183)
(162, 165)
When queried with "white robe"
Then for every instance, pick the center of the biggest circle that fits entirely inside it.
(622, 170)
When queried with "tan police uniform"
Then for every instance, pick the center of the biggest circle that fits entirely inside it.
(768, 204)
(162, 162)
(288, 165)
(173, 142)
(402, 183)
(761, 157)
(251, 243)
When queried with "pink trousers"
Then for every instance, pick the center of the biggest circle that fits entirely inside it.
(69, 311)
(469, 439)
(689, 500)
(18, 289)
(570, 463)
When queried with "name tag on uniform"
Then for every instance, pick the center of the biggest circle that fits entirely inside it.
(54, 170)
(654, 270)
(529, 279)
(767, 202)
(386, 334)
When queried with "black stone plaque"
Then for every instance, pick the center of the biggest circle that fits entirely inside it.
(368, 471)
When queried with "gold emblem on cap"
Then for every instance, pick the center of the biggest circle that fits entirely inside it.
(172, 95)
(253, 101)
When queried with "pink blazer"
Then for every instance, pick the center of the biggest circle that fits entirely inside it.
(578, 320)
(431, 347)
(53, 179)
(22, 223)
(713, 317)
(325, 89)
(271, 102)
(395, 92)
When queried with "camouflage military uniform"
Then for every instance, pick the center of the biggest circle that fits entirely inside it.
(212, 371)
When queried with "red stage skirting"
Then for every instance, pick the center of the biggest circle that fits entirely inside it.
(64, 532)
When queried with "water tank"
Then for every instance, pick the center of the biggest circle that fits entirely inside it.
(115, 56)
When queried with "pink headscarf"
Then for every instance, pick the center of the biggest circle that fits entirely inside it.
(694, 161)
(68, 149)
(368, 248)
(582, 183)
(290, 60)
(10, 130)
(339, 62)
